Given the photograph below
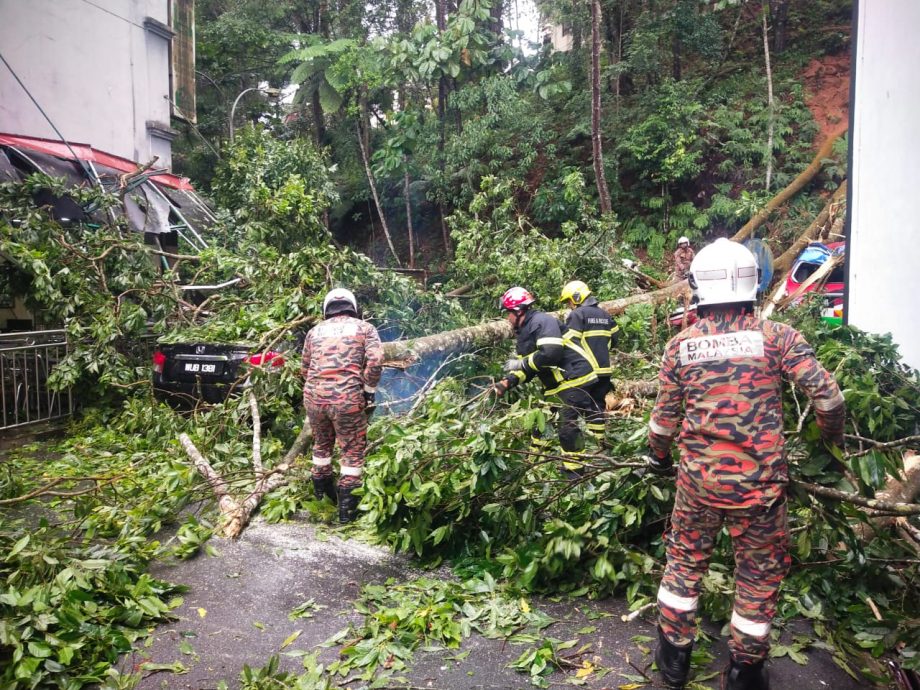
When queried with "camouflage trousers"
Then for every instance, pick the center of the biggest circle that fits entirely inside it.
(760, 539)
(346, 425)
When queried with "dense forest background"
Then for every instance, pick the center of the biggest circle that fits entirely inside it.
(702, 111)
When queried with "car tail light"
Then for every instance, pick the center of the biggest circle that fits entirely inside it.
(276, 358)
(159, 359)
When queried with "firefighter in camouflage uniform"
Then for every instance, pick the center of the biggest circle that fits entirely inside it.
(341, 365)
(562, 367)
(593, 329)
(683, 257)
(720, 387)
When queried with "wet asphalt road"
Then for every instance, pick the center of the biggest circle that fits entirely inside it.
(235, 612)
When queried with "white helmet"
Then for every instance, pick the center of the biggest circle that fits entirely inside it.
(339, 300)
(682, 241)
(724, 272)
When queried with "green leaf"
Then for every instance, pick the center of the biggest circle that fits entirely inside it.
(290, 639)
(329, 98)
(19, 545)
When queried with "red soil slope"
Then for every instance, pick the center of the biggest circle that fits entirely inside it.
(827, 89)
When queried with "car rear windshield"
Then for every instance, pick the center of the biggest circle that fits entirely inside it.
(804, 270)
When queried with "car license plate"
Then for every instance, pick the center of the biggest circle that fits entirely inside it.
(201, 368)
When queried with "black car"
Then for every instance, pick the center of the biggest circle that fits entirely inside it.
(188, 373)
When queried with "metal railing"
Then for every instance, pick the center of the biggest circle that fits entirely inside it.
(26, 362)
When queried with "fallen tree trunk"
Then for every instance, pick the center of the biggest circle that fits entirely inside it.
(791, 189)
(494, 332)
(782, 264)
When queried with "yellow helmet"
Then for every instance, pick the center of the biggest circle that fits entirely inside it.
(576, 291)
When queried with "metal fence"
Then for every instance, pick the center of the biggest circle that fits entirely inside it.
(26, 361)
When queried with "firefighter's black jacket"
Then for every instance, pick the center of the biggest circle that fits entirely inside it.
(558, 364)
(595, 331)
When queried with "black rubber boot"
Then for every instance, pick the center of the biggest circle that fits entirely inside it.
(673, 661)
(324, 486)
(740, 676)
(348, 504)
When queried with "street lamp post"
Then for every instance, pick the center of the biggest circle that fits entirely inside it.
(269, 91)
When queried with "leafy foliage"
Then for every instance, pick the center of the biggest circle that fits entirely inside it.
(278, 190)
(497, 246)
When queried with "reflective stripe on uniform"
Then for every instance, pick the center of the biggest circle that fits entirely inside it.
(549, 340)
(321, 462)
(573, 383)
(584, 352)
(667, 598)
(598, 426)
(519, 375)
(528, 361)
(749, 627)
(660, 430)
(597, 334)
(592, 360)
(351, 471)
(569, 458)
(572, 346)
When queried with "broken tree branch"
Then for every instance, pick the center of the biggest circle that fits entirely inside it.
(235, 514)
(896, 508)
(48, 489)
(256, 436)
(629, 618)
(791, 189)
(225, 502)
(902, 489)
(785, 260)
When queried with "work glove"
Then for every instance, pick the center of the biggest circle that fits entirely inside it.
(513, 364)
(370, 403)
(662, 467)
(501, 387)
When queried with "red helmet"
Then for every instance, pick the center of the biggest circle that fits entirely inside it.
(515, 299)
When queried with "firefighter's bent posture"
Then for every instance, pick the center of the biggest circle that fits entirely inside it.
(563, 369)
(726, 372)
(341, 365)
(593, 329)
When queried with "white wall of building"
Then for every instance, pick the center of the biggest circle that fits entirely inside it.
(883, 283)
(99, 69)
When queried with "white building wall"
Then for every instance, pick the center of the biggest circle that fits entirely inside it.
(99, 73)
(883, 281)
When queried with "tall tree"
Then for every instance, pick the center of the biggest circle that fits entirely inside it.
(440, 14)
(779, 16)
(365, 158)
(601, 178)
(770, 107)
